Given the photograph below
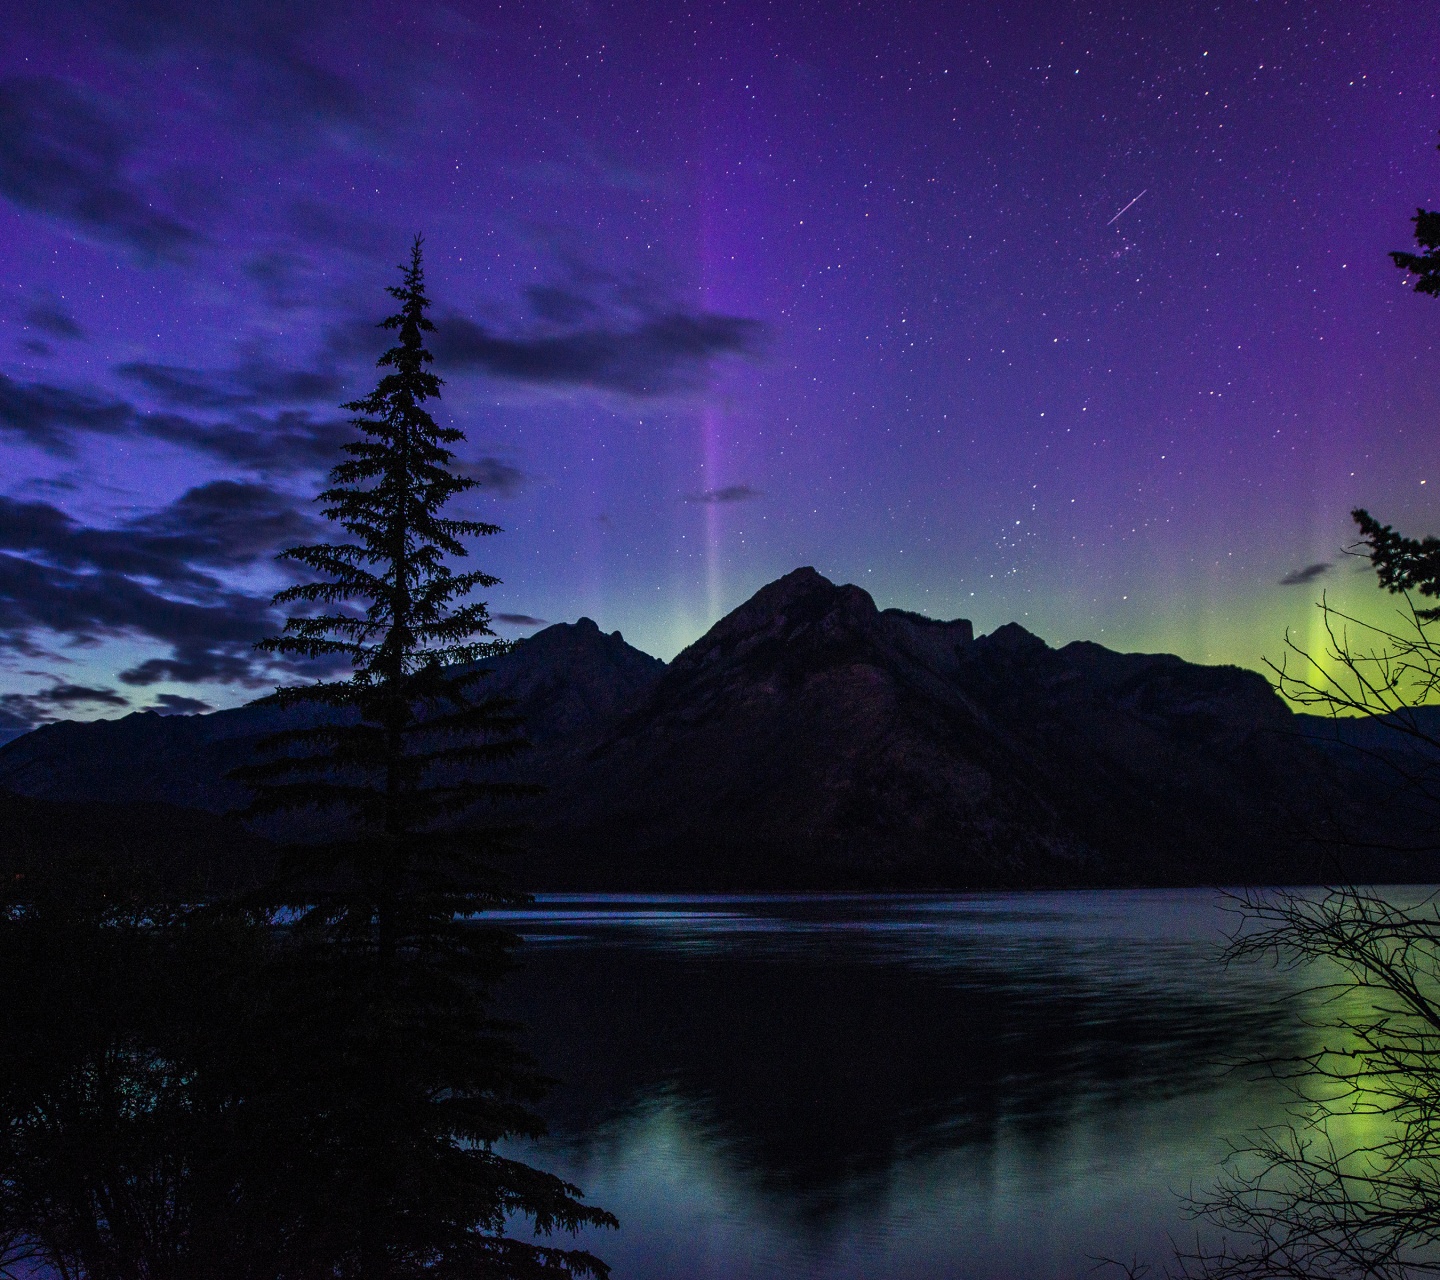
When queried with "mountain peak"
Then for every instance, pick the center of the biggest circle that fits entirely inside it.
(803, 604)
(1013, 636)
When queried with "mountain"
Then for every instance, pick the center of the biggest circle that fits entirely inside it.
(569, 679)
(812, 740)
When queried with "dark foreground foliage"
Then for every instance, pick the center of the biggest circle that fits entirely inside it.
(1350, 1188)
(305, 1080)
(199, 1095)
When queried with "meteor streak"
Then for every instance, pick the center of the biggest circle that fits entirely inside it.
(1126, 207)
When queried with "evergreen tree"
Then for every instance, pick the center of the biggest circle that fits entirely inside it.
(414, 1083)
(398, 758)
(1409, 564)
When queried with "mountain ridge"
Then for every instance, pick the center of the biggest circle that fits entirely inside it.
(812, 740)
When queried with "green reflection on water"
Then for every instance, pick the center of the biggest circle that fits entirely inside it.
(979, 1087)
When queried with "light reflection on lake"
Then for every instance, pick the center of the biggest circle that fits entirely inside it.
(846, 1086)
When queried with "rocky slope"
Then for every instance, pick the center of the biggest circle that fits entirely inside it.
(811, 740)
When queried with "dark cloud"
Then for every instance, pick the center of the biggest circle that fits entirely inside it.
(46, 415)
(663, 353)
(278, 443)
(520, 620)
(257, 383)
(1309, 573)
(174, 704)
(730, 493)
(13, 725)
(63, 157)
(559, 305)
(224, 524)
(55, 321)
(156, 577)
(495, 475)
(334, 228)
(255, 51)
(357, 338)
(287, 279)
(228, 523)
(21, 712)
(67, 695)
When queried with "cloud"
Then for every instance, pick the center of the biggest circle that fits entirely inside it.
(588, 169)
(67, 695)
(254, 51)
(228, 523)
(21, 712)
(495, 475)
(45, 415)
(156, 577)
(174, 704)
(222, 524)
(337, 228)
(558, 304)
(666, 352)
(62, 157)
(54, 320)
(1300, 577)
(13, 725)
(286, 279)
(51, 417)
(255, 383)
(275, 444)
(520, 620)
(730, 493)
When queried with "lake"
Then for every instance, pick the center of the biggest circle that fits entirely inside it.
(989, 1085)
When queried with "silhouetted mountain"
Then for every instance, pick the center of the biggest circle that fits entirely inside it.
(812, 740)
(569, 679)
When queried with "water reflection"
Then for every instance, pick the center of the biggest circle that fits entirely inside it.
(986, 1086)
(983, 1086)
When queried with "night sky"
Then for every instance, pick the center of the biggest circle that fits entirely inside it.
(1073, 314)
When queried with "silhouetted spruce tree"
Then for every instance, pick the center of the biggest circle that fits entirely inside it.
(399, 762)
(1409, 564)
(416, 1084)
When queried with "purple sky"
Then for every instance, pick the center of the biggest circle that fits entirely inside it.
(721, 290)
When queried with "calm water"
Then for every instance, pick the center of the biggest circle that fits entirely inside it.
(980, 1086)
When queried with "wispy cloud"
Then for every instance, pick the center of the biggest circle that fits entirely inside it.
(62, 156)
(258, 382)
(276, 442)
(520, 620)
(1300, 577)
(54, 320)
(47, 416)
(663, 353)
(495, 475)
(730, 493)
(20, 712)
(158, 577)
(260, 55)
